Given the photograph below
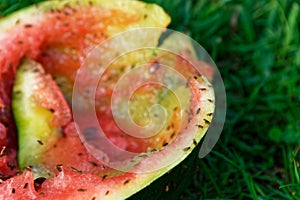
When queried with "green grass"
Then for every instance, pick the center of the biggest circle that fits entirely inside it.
(256, 46)
(257, 49)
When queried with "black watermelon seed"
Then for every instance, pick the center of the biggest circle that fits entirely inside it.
(172, 125)
(104, 177)
(186, 148)
(76, 170)
(40, 142)
(28, 25)
(195, 142)
(11, 167)
(93, 163)
(200, 126)
(172, 135)
(206, 121)
(59, 167)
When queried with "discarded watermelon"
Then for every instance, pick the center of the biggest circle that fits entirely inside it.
(59, 35)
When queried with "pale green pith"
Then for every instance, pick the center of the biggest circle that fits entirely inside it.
(33, 121)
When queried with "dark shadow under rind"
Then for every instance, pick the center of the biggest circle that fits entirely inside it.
(172, 184)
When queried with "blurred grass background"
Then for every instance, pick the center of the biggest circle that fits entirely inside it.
(256, 45)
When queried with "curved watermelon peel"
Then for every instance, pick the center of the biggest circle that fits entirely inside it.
(136, 45)
(70, 184)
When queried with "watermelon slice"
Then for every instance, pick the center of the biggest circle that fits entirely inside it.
(56, 38)
(40, 111)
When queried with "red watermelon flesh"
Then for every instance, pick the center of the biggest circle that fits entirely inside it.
(59, 40)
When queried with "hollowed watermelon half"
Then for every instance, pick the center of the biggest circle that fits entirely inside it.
(42, 156)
